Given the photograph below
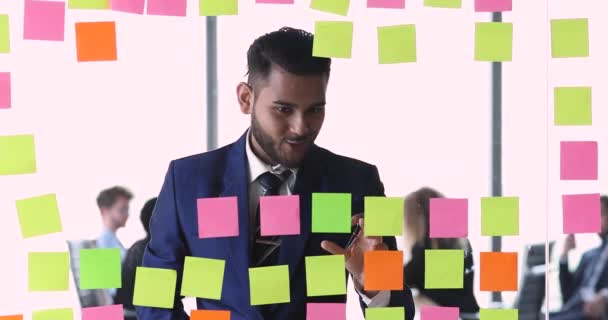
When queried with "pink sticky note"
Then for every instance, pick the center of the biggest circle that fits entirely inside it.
(581, 213)
(44, 20)
(5, 90)
(493, 5)
(578, 160)
(218, 217)
(112, 312)
(167, 8)
(275, 1)
(389, 4)
(279, 215)
(323, 311)
(130, 6)
(439, 313)
(449, 218)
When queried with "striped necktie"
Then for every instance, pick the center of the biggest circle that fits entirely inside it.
(265, 249)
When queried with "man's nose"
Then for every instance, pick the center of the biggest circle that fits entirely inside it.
(300, 126)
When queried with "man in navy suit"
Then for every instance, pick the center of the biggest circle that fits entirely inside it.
(585, 292)
(285, 96)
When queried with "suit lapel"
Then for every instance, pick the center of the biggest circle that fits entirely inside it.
(235, 183)
(308, 181)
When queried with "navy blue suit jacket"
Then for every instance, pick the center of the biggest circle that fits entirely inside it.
(571, 283)
(223, 172)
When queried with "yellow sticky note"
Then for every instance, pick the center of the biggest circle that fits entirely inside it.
(333, 39)
(498, 314)
(48, 271)
(154, 287)
(203, 270)
(38, 215)
(397, 44)
(493, 41)
(572, 106)
(452, 4)
(5, 35)
(268, 285)
(325, 275)
(443, 268)
(332, 6)
(569, 38)
(17, 155)
(89, 4)
(218, 7)
(53, 314)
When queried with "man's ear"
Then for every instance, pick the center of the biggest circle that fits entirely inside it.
(244, 95)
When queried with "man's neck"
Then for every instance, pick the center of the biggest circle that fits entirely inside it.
(258, 151)
(109, 226)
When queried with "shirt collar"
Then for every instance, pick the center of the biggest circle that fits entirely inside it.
(257, 167)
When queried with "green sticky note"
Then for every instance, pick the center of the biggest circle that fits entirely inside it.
(383, 216)
(38, 215)
(48, 271)
(325, 275)
(100, 268)
(331, 212)
(203, 278)
(333, 39)
(500, 216)
(397, 44)
(385, 313)
(572, 106)
(218, 7)
(443, 269)
(569, 38)
(493, 41)
(454, 4)
(268, 285)
(332, 6)
(17, 154)
(53, 314)
(5, 36)
(154, 287)
(89, 4)
(498, 314)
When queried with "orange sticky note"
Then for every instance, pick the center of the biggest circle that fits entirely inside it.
(383, 270)
(498, 271)
(96, 41)
(210, 315)
(13, 317)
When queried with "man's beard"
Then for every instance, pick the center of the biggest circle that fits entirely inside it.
(268, 144)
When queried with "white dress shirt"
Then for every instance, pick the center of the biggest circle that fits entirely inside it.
(258, 167)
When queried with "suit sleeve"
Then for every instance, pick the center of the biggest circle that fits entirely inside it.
(414, 269)
(399, 298)
(166, 249)
(570, 281)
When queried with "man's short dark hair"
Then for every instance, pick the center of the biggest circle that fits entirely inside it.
(108, 197)
(604, 201)
(146, 214)
(288, 48)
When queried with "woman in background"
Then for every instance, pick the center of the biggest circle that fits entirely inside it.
(416, 237)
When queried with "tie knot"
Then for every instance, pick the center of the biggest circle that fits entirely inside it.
(271, 182)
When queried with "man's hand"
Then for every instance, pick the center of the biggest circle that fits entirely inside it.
(596, 307)
(354, 254)
(569, 244)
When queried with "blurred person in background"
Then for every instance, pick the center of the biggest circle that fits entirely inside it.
(113, 205)
(585, 291)
(135, 254)
(417, 240)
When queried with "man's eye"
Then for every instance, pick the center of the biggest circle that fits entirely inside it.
(317, 109)
(283, 109)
